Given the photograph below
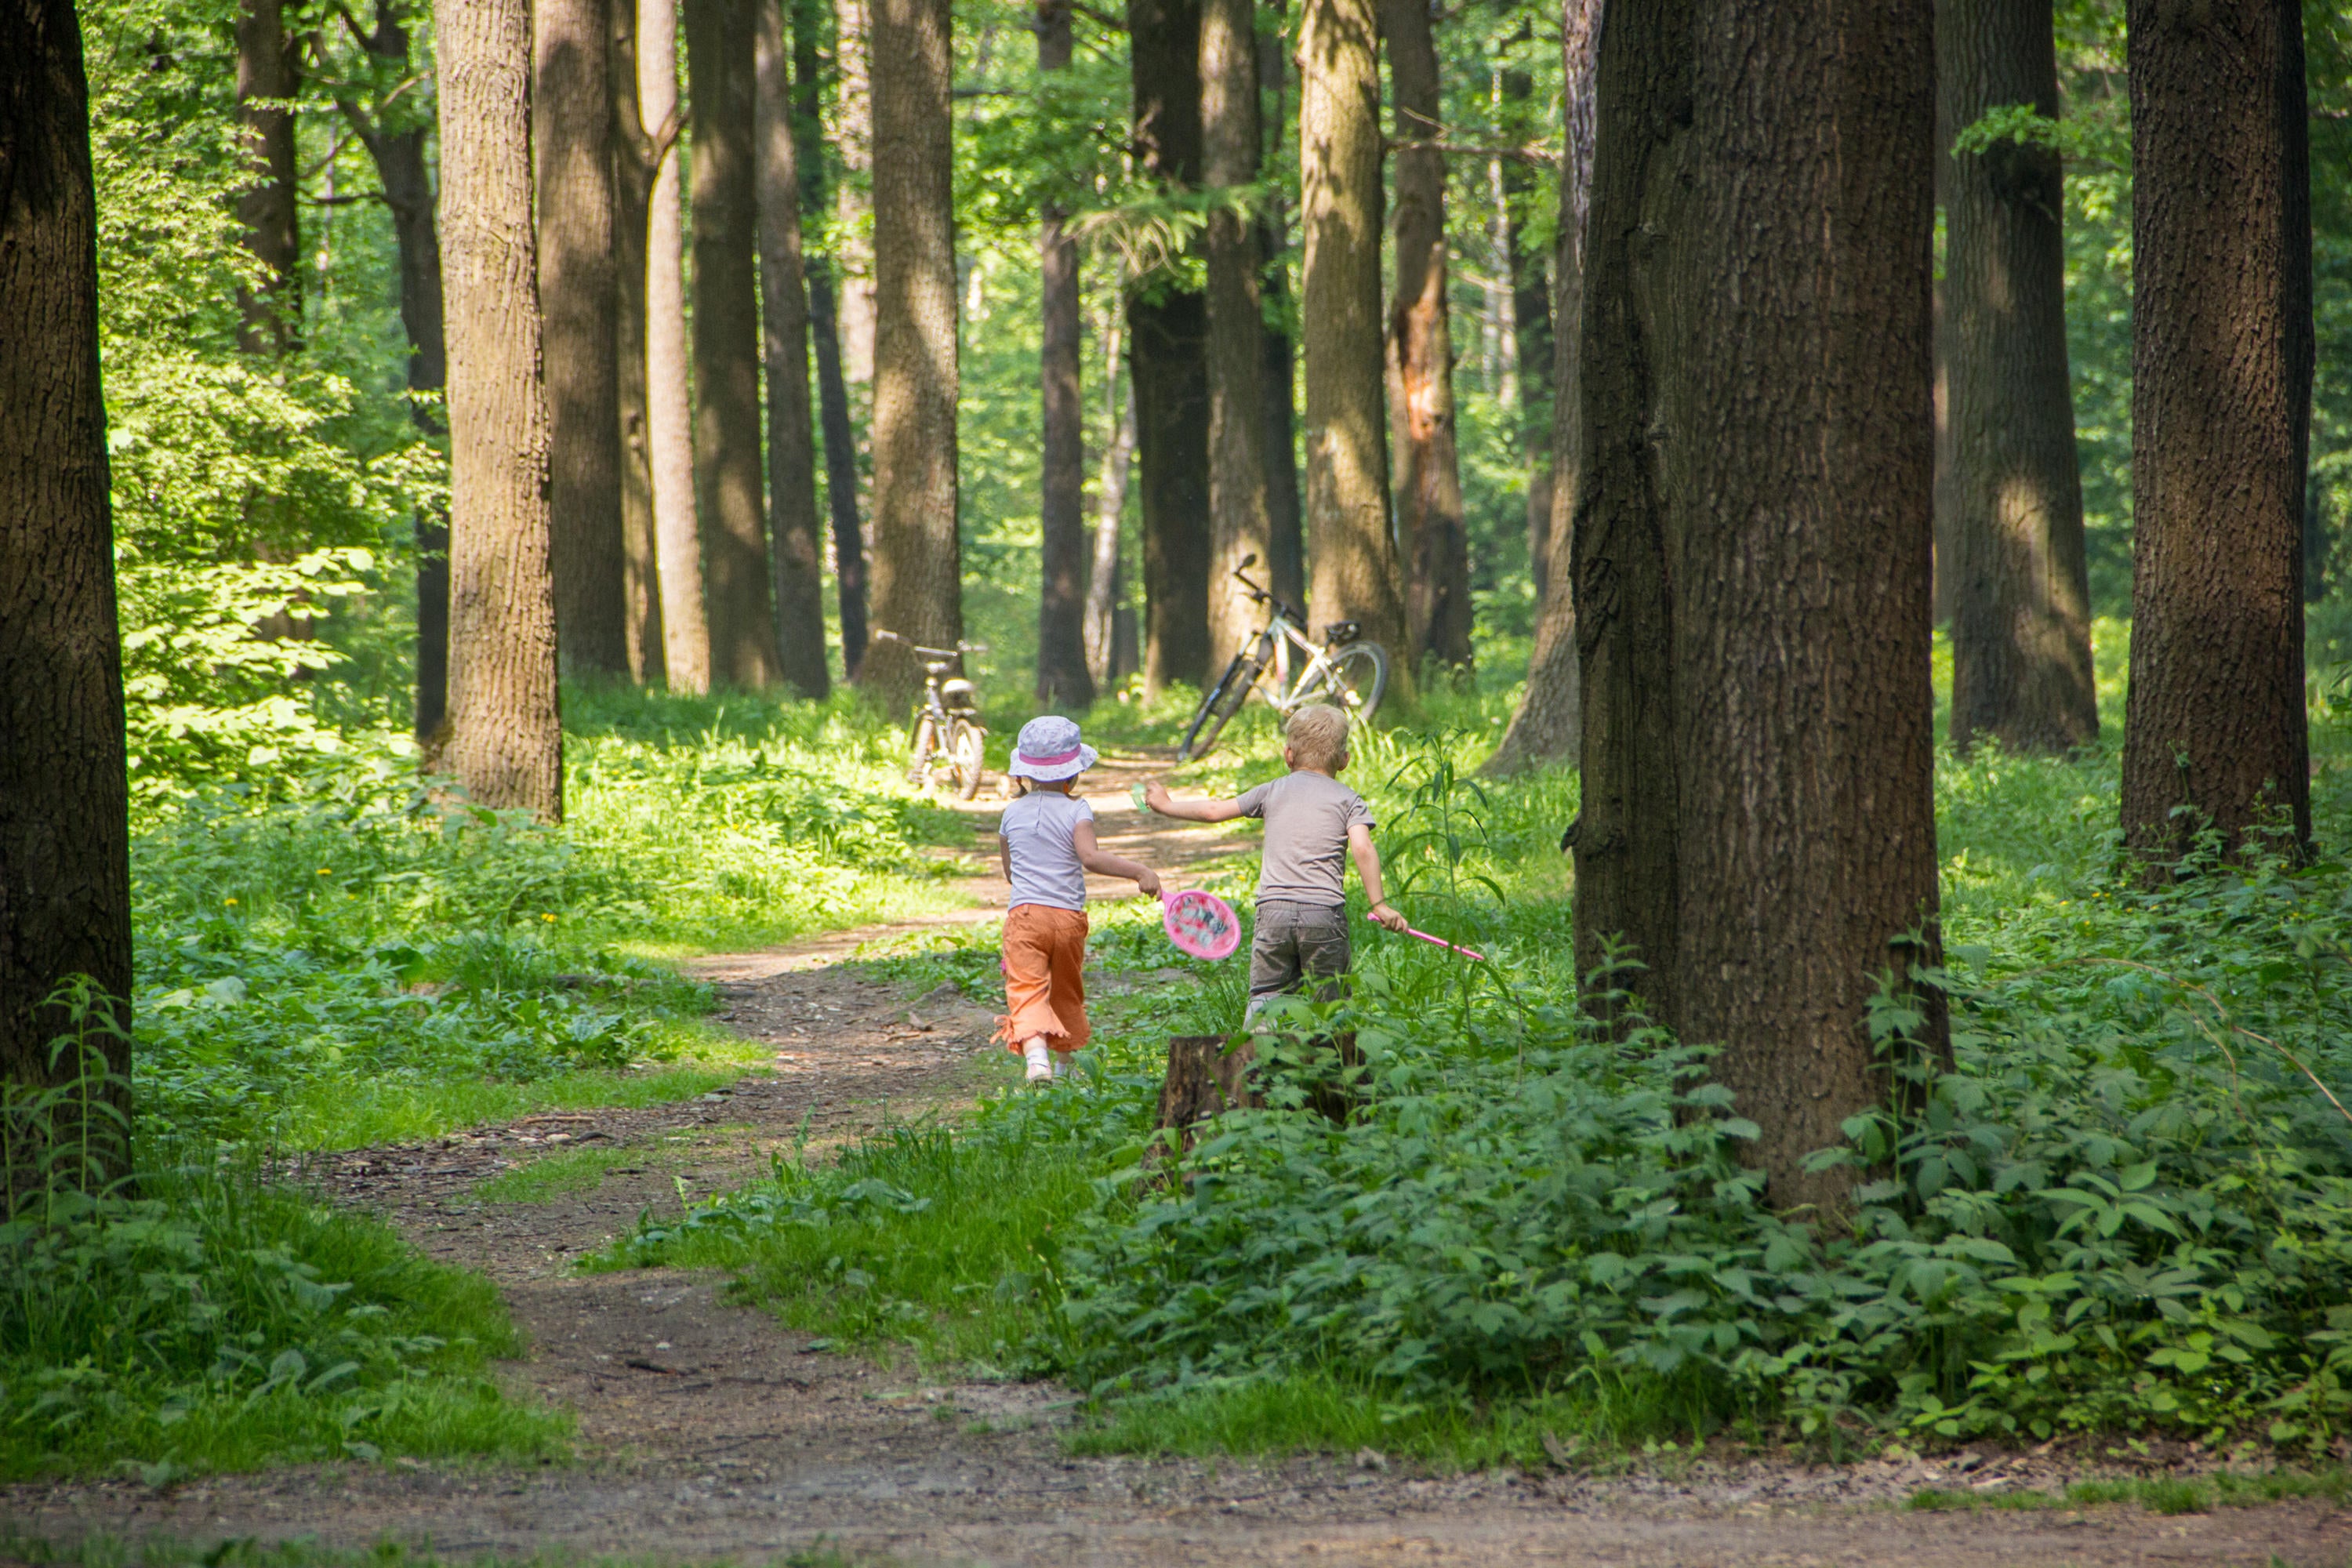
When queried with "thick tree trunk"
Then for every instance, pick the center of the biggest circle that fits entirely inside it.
(635, 158)
(269, 75)
(1063, 679)
(720, 104)
(1286, 549)
(1240, 515)
(65, 834)
(2222, 366)
(918, 570)
(832, 393)
(1429, 525)
(852, 226)
(795, 533)
(1356, 575)
(2020, 591)
(1548, 723)
(1531, 292)
(669, 421)
(1168, 330)
(506, 741)
(1759, 292)
(572, 144)
(1110, 507)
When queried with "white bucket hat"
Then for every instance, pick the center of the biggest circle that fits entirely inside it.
(1049, 750)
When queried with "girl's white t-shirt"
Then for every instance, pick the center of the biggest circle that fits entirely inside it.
(1040, 831)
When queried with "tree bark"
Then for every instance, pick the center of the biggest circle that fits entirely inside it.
(1110, 508)
(572, 144)
(269, 75)
(720, 110)
(1240, 514)
(65, 833)
(1168, 353)
(635, 159)
(2222, 366)
(917, 570)
(853, 256)
(1356, 574)
(1531, 287)
(832, 393)
(1286, 549)
(1548, 725)
(1429, 524)
(2020, 590)
(1752, 545)
(795, 533)
(670, 420)
(506, 741)
(1062, 677)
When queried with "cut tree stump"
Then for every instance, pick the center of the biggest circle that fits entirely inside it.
(1204, 1079)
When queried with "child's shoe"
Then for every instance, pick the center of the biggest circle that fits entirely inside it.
(1064, 1066)
(1040, 1060)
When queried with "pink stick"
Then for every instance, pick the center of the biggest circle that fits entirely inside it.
(1441, 942)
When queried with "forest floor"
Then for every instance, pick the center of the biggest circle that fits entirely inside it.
(707, 1429)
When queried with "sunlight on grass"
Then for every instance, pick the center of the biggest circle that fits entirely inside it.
(572, 1173)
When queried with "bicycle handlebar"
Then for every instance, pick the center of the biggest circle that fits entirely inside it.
(1262, 596)
(961, 648)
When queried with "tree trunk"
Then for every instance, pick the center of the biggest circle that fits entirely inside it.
(1062, 677)
(1240, 520)
(853, 257)
(669, 421)
(797, 535)
(572, 144)
(506, 741)
(1168, 331)
(1531, 289)
(635, 158)
(269, 75)
(1752, 585)
(719, 108)
(1110, 507)
(398, 154)
(2222, 366)
(918, 570)
(1286, 553)
(1429, 493)
(65, 832)
(1547, 726)
(1354, 553)
(2020, 591)
(832, 393)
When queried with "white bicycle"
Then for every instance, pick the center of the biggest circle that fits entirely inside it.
(1343, 671)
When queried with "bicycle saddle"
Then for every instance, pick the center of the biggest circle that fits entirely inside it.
(1342, 631)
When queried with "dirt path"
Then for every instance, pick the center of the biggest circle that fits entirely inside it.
(711, 1431)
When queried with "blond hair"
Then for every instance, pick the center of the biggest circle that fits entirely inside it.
(1318, 735)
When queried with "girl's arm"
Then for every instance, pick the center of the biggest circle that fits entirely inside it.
(1156, 796)
(1368, 867)
(1005, 855)
(1103, 863)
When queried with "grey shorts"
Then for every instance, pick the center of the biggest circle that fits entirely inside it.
(1296, 943)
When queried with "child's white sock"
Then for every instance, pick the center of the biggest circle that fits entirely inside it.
(1041, 1066)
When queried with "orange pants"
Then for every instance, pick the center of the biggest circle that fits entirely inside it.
(1045, 977)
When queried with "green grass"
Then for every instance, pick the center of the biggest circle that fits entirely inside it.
(2162, 1494)
(572, 1173)
(368, 1113)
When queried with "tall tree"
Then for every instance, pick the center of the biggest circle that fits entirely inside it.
(638, 152)
(579, 283)
(669, 421)
(65, 831)
(1548, 725)
(1168, 353)
(720, 110)
(833, 391)
(394, 139)
(2214, 729)
(506, 741)
(1240, 511)
(1063, 679)
(1286, 550)
(1433, 536)
(1110, 507)
(853, 215)
(1353, 552)
(1531, 283)
(269, 75)
(1758, 808)
(796, 536)
(917, 568)
(2020, 590)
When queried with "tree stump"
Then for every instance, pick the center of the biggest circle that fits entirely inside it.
(1204, 1079)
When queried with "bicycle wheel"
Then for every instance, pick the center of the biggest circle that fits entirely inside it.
(1224, 699)
(965, 757)
(919, 755)
(1353, 676)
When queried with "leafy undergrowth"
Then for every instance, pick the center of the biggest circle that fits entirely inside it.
(2162, 1494)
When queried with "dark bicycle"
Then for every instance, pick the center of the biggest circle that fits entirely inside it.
(1345, 670)
(947, 726)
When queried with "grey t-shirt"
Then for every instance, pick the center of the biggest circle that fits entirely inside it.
(1306, 820)
(1040, 832)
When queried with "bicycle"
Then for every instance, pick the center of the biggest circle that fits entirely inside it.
(1345, 671)
(947, 726)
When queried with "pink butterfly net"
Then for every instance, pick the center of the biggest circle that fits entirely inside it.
(1201, 925)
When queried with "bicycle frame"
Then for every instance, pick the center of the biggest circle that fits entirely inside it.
(1274, 653)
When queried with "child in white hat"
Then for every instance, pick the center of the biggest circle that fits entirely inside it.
(1047, 843)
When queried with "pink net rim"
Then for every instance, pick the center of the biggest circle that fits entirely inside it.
(1216, 908)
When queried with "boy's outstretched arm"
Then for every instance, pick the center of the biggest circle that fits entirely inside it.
(1156, 796)
(1103, 863)
(1368, 867)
